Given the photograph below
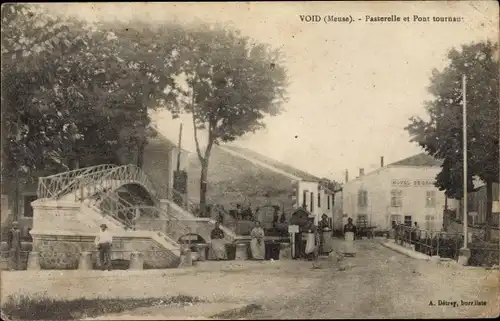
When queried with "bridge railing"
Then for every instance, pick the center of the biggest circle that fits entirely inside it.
(88, 181)
(56, 185)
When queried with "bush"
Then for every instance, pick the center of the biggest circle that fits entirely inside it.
(484, 254)
(27, 308)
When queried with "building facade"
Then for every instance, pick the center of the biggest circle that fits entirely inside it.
(402, 192)
(315, 198)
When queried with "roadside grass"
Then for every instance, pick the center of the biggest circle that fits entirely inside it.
(39, 308)
(238, 313)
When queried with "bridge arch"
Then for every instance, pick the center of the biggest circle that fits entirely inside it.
(136, 194)
(193, 238)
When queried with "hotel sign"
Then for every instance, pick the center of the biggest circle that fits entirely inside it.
(412, 183)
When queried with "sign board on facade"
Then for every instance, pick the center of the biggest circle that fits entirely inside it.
(412, 183)
(293, 229)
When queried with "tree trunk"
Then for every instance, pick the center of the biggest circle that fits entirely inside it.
(140, 154)
(489, 209)
(203, 187)
(17, 194)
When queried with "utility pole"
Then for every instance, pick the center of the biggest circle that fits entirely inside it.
(464, 83)
(464, 253)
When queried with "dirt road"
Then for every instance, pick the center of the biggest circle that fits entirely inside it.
(379, 283)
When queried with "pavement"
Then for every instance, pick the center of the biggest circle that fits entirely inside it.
(377, 283)
(391, 244)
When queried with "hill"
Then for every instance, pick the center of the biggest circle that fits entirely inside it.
(233, 180)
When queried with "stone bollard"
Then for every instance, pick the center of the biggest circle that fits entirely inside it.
(241, 252)
(464, 256)
(85, 261)
(34, 261)
(136, 261)
(285, 251)
(436, 259)
(202, 251)
(186, 259)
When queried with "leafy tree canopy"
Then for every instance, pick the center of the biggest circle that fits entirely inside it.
(76, 91)
(229, 85)
(441, 136)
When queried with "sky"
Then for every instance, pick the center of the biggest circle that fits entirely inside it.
(353, 86)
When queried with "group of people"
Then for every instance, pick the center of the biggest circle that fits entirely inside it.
(218, 243)
(318, 242)
(319, 239)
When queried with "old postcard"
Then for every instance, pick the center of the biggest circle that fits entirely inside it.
(250, 160)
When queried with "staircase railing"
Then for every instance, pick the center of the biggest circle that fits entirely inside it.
(142, 217)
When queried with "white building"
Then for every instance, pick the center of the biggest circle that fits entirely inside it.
(402, 192)
(316, 199)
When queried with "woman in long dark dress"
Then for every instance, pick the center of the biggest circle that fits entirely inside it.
(325, 235)
(218, 244)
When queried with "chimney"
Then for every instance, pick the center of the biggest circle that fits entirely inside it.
(381, 161)
(361, 171)
(346, 176)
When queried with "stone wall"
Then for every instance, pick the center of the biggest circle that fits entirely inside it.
(175, 229)
(63, 251)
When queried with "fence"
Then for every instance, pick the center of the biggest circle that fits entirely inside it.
(431, 243)
(448, 244)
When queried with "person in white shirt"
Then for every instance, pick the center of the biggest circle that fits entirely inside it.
(103, 242)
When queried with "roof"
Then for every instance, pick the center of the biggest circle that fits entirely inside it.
(421, 159)
(274, 163)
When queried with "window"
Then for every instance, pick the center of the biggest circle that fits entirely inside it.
(362, 220)
(304, 199)
(396, 198)
(28, 210)
(328, 201)
(362, 198)
(312, 202)
(319, 199)
(429, 222)
(408, 220)
(430, 199)
(396, 219)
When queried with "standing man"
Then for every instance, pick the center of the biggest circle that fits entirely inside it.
(14, 243)
(103, 242)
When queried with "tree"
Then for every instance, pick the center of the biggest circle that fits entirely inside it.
(442, 135)
(232, 84)
(78, 93)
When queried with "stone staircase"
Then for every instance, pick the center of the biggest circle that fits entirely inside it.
(72, 205)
